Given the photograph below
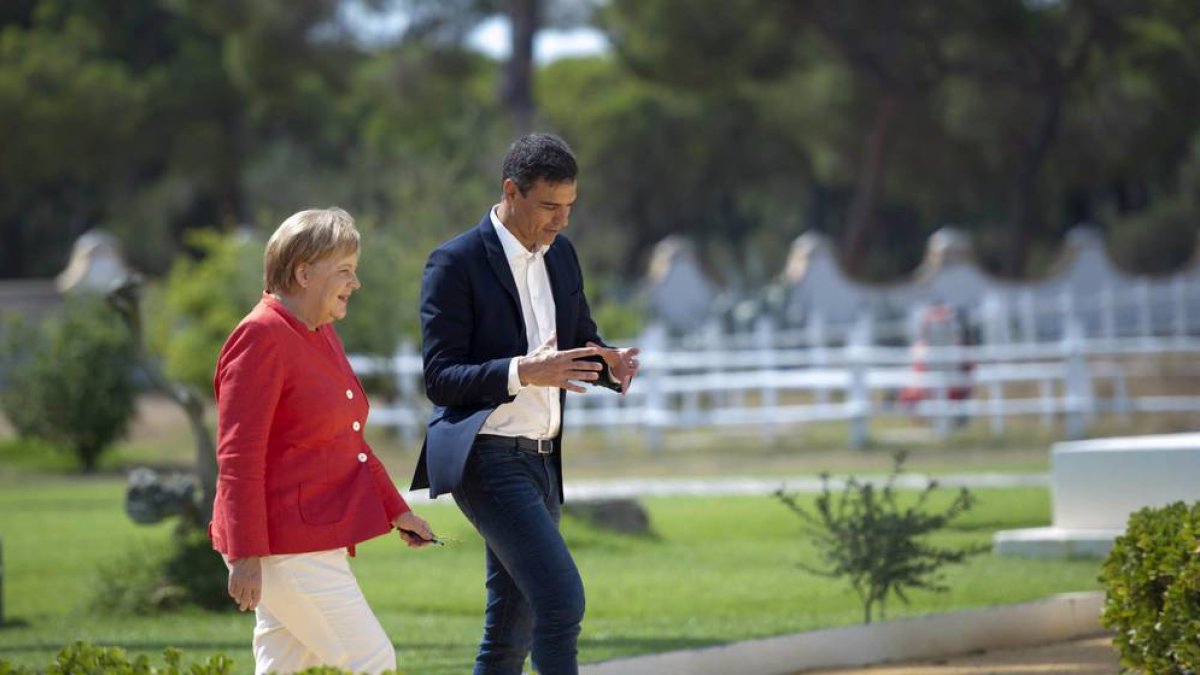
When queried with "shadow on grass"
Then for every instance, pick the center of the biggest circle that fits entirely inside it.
(14, 623)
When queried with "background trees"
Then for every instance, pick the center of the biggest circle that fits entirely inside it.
(738, 123)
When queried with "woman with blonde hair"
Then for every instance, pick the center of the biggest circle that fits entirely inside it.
(298, 486)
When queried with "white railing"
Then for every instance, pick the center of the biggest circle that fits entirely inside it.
(1058, 346)
(771, 388)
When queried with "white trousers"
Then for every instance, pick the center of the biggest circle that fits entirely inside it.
(312, 613)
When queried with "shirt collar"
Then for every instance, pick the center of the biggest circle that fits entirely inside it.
(514, 249)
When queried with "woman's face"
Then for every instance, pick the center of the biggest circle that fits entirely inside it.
(326, 286)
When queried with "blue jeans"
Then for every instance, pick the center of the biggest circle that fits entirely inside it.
(534, 592)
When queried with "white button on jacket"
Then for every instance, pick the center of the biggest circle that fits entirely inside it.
(356, 425)
(362, 456)
(349, 394)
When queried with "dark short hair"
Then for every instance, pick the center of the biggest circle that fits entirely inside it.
(539, 156)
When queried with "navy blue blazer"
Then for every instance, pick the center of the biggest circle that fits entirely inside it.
(471, 327)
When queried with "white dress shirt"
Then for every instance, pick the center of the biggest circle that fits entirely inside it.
(535, 412)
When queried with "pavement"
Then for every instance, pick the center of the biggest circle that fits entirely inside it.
(1088, 656)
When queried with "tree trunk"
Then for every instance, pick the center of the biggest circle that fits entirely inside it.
(1025, 217)
(516, 85)
(89, 455)
(860, 221)
(126, 299)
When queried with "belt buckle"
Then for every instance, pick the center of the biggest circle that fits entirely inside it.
(549, 444)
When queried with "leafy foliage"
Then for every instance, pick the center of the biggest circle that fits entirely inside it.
(1152, 584)
(866, 536)
(201, 303)
(72, 115)
(84, 658)
(152, 579)
(738, 123)
(69, 381)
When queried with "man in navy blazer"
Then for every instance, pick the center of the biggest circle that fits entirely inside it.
(506, 333)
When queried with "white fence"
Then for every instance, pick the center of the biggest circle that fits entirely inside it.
(771, 379)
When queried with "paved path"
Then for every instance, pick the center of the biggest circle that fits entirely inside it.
(742, 485)
(1090, 656)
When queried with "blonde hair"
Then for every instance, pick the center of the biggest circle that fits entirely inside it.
(305, 238)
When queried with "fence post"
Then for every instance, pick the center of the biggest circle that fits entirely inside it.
(1145, 331)
(654, 413)
(1179, 296)
(858, 396)
(996, 404)
(1108, 310)
(994, 317)
(1028, 317)
(764, 343)
(819, 352)
(1080, 403)
(1066, 308)
(407, 390)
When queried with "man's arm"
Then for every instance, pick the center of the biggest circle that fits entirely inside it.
(452, 378)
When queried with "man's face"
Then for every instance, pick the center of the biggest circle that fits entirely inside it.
(537, 216)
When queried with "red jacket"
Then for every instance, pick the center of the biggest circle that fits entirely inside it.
(294, 472)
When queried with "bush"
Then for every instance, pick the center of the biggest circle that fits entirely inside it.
(154, 579)
(69, 382)
(82, 658)
(867, 537)
(1152, 590)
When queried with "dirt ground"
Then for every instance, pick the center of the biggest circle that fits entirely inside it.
(1090, 656)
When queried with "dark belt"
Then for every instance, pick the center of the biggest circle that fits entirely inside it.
(531, 445)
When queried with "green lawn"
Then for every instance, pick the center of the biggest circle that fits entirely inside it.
(718, 570)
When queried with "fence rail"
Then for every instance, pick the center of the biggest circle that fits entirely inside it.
(770, 388)
(1059, 346)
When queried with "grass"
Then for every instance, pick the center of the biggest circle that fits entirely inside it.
(160, 437)
(716, 570)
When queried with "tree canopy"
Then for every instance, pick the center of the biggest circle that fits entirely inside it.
(738, 123)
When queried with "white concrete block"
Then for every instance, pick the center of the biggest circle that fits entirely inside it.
(1096, 484)
(1055, 543)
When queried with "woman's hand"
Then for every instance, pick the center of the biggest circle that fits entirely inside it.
(413, 530)
(245, 582)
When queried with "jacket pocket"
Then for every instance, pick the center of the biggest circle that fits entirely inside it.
(322, 503)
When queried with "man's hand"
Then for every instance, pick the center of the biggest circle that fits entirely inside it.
(623, 363)
(548, 367)
(413, 530)
(245, 582)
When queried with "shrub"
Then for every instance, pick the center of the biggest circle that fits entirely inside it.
(867, 537)
(1152, 590)
(70, 383)
(159, 578)
(82, 658)
(133, 583)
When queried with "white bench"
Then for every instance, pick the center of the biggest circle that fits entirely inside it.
(1097, 484)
